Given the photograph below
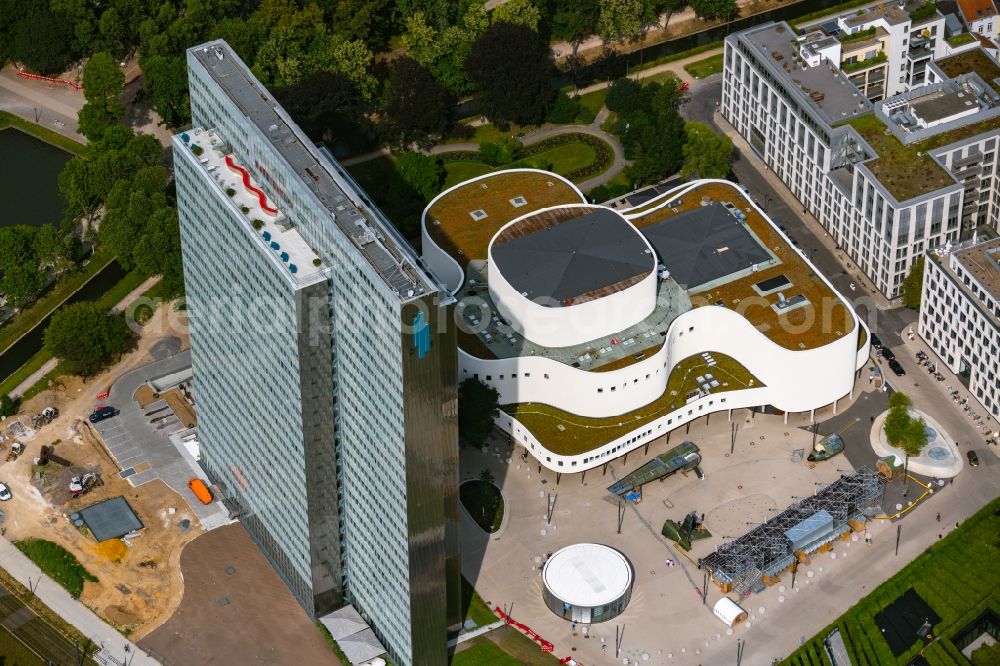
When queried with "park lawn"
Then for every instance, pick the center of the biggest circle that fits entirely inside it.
(594, 101)
(43, 133)
(484, 503)
(58, 564)
(28, 318)
(473, 606)
(568, 157)
(504, 646)
(662, 78)
(459, 172)
(15, 653)
(486, 653)
(43, 383)
(956, 576)
(489, 132)
(702, 68)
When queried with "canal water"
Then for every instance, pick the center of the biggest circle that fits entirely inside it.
(31, 343)
(29, 179)
(619, 64)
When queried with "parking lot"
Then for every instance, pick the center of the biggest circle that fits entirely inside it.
(139, 438)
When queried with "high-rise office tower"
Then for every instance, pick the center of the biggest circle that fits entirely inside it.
(324, 366)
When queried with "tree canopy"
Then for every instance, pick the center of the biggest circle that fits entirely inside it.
(423, 173)
(706, 153)
(903, 430)
(85, 338)
(650, 128)
(512, 69)
(478, 405)
(417, 105)
(710, 9)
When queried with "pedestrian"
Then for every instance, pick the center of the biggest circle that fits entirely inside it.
(939, 536)
(872, 418)
(939, 517)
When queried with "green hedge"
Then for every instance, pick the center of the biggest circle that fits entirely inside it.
(58, 564)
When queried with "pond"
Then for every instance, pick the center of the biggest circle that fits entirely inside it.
(29, 179)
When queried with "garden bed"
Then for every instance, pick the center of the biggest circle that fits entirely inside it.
(484, 503)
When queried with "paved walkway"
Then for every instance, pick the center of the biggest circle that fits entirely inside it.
(534, 136)
(116, 649)
(51, 105)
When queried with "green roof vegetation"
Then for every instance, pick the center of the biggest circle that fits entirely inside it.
(961, 38)
(926, 10)
(957, 579)
(568, 434)
(906, 171)
(846, 37)
(877, 59)
(971, 61)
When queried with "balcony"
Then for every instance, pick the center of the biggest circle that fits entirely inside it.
(920, 53)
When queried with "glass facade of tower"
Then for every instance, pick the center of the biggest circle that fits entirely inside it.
(328, 397)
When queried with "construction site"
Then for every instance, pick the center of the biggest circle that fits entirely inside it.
(69, 489)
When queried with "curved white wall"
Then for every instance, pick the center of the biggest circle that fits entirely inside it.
(573, 324)
(440, 263)
(796, 381)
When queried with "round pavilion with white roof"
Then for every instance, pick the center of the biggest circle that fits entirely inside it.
(587, 582)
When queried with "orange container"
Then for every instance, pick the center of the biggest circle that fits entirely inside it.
(200, 490)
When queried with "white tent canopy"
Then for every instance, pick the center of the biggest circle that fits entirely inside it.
(729, 611)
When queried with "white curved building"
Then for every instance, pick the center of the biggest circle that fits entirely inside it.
(603, 329)
(587, 582)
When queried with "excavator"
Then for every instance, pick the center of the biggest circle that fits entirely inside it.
(80, 485)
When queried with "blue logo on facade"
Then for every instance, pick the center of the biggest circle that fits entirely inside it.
(421, 335)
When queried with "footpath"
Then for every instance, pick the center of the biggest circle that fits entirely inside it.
(116, 650)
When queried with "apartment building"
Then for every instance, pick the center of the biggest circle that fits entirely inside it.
(960, 316)
(326, 386)
(893, 153)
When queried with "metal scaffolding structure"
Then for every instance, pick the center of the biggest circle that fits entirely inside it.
(766, 549)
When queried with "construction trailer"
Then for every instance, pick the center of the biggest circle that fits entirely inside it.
(757, 559)
(681, 458)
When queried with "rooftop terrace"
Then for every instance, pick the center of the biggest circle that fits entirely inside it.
(259, 211)
(376, 240)
(828, 89)
(464, 220)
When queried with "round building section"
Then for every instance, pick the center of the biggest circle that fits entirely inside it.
(587, 582)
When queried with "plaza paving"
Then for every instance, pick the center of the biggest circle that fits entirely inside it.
(666, 621)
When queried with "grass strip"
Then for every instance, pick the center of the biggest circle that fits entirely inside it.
(57, 563)
(43, 133)
(702, 68)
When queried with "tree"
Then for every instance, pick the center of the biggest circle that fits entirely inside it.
(37, 37)
(85, 338)
(896, 423)
(899, 399)
(913, 285)
(417, 105)
(710, 9)
(22, 283)
(512, 69)
(478, 406)
(103, 79)
(15, 245)
(367, 20)
(423, 173)
(521, 12)
(501, 152)
(575, 21)
(915, 437)
(8, 406)
(565, 109)
(326, 106)
(93, 119)
(621, 20)
(165, 77)
(706, 154)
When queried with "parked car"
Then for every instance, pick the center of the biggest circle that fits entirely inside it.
(102, 413)
(876, 342)
(887, 354)
(973, 462)
(5, 492)
(896, 367)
